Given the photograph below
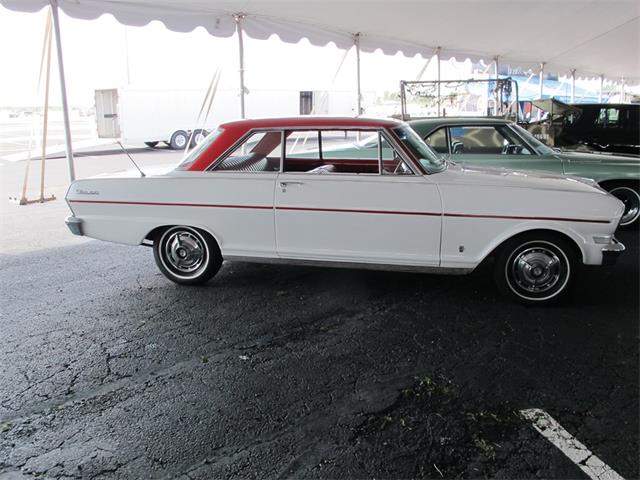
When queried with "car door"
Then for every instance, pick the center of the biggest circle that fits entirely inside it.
(365, 208)
(239, 188)
(494, 146)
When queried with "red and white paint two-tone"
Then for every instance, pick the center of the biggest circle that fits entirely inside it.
(396, 206)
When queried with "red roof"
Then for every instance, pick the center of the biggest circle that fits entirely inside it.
(313, 121)
(232, 131)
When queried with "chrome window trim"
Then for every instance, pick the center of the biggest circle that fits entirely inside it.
(238, 143)
(392, 141)
(381, 131)
(384, 130)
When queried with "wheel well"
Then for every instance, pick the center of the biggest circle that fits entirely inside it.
(151, 236)
(153, 233)
(555, 233)
(609, 184)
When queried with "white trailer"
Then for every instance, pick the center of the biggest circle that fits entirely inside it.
(151, 116)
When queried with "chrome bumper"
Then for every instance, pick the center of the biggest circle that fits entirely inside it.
(74, 224)
(612, 251)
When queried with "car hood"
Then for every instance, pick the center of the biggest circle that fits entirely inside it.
(600, 158)
(502, 177)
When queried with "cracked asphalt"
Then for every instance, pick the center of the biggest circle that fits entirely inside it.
(108, 370)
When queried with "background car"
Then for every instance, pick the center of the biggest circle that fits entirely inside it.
(603, 127)
(493, 142)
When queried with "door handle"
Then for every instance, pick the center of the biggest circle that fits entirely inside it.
(284, 185)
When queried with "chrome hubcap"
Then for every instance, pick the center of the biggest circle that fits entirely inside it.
(536, 269)
(184, 251)
(631, 200)
(198, 138)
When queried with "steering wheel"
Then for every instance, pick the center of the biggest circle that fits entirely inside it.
(511, 149)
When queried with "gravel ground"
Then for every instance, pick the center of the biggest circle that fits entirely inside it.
(109, 370)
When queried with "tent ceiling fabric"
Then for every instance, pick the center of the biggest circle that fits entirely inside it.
(593, 37)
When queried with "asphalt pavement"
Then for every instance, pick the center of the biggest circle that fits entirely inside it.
(108, 370)
(272, 371)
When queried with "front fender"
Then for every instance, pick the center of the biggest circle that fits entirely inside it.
(466, 242)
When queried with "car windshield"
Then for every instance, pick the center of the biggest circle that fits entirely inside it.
(427, 157)
(193, 155)
(540, 147)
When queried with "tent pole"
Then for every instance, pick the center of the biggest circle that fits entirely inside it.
(45, 121)
(438, 73)
(238, 18)
(496, 64)
(573, 85)
(63, 90)
(622, 92)
(356, 41)
(601, 88)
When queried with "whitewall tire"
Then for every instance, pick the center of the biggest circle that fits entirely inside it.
(186, 255)
(536, 268)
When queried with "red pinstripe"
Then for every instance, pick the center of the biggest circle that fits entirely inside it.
(343, 210)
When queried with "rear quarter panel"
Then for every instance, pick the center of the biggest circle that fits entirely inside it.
(236, 209)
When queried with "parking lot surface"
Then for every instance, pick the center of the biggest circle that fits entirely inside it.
(108, 370)
(272, 371)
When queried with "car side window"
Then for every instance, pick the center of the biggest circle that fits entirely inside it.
(338, 152)
(438, 140)
(259, 152)
(608, 118)
(392, 162)
(487, 140)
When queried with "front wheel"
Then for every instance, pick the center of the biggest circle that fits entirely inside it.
(536, 268)
(629, 195)
(187, 255)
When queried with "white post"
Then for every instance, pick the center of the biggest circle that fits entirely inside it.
(542, 78)
(126, 53)
(573, 85)
(238, 18)
(63, 91)
(601, 89)
(623, 95)
(356, 41)
(438, 70)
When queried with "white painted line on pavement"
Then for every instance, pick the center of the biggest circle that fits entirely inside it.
(577, 452)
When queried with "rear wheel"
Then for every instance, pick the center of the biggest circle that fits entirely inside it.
(187, 255)
(179, 140)
(198, 136)
(536, 268)
(628, 194)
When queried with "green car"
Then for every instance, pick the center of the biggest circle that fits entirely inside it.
(492, 142)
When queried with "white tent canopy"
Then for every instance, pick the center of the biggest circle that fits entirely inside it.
(578, 37)
(592, 37)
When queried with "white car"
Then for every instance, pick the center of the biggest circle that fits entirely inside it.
(305, 190)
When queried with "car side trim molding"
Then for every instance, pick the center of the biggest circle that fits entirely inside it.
(351, 264)
(344, 210)
(173, 204)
